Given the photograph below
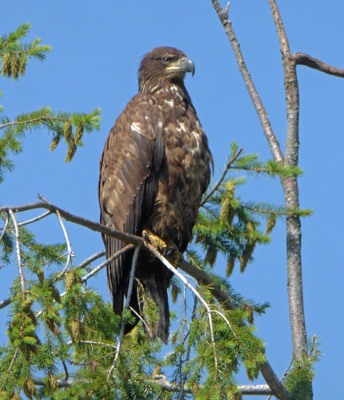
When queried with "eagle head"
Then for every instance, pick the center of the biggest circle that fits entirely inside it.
(163, 66)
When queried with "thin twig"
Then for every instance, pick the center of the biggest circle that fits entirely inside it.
(65, 369)
(126, 306)
(16, 230)
(141, 319)
(106, 262)
(69, 247)
(9, 368)
(97, 343)
(35, 219)
(4, 228)
(90, 259)
(228, 166)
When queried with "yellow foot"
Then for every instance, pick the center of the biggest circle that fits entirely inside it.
(168, 249)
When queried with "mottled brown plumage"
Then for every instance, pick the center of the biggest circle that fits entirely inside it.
(154, 170)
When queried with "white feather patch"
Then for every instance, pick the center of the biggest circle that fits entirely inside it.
(135, 127)
(169, 102)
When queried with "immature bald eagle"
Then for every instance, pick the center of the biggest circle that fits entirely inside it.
(153, 171)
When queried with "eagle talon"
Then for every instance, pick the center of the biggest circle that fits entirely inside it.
(172, 254)
(167, 249)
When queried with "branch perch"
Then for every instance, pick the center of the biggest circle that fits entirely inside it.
(202, 277)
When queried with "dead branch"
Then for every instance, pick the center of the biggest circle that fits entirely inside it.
(4, 228)
(168, 386)
(94, 226)
(69, 247)
(5, 303)
(20, 265)
(35, 219)
(106, 262)
(311, 62)
(257, 102)
(90, 259)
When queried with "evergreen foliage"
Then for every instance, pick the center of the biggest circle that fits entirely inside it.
(299, 378)
(63, 337)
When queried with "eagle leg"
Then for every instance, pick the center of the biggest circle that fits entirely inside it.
(167, 248)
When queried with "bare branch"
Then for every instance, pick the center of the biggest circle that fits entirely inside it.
(69, 247)
(10, 367)
(94, 226)
(106, 262)
(90, 259)
(20, 265)
(5, 303)
(311, 62)
(168, 386)
(61, 383)
(261, 112)
(35, 219)
(4, 228)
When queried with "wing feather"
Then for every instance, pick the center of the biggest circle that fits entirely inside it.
(129, 176)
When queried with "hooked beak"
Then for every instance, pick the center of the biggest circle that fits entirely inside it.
(182, 66)
(186, 65)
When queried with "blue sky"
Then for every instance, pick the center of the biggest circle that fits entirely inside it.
(96, 49)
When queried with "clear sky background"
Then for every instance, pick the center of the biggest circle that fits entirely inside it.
(96, 49)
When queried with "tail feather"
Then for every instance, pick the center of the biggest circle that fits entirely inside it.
(155, 279)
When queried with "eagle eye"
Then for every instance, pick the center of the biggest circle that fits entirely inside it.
(168, 59)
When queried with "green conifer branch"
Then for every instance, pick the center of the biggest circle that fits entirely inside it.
(53, 122)
(14, 55)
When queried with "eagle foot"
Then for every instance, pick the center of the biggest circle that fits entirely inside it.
(168, 249)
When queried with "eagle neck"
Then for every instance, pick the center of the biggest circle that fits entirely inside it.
(175, 87)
